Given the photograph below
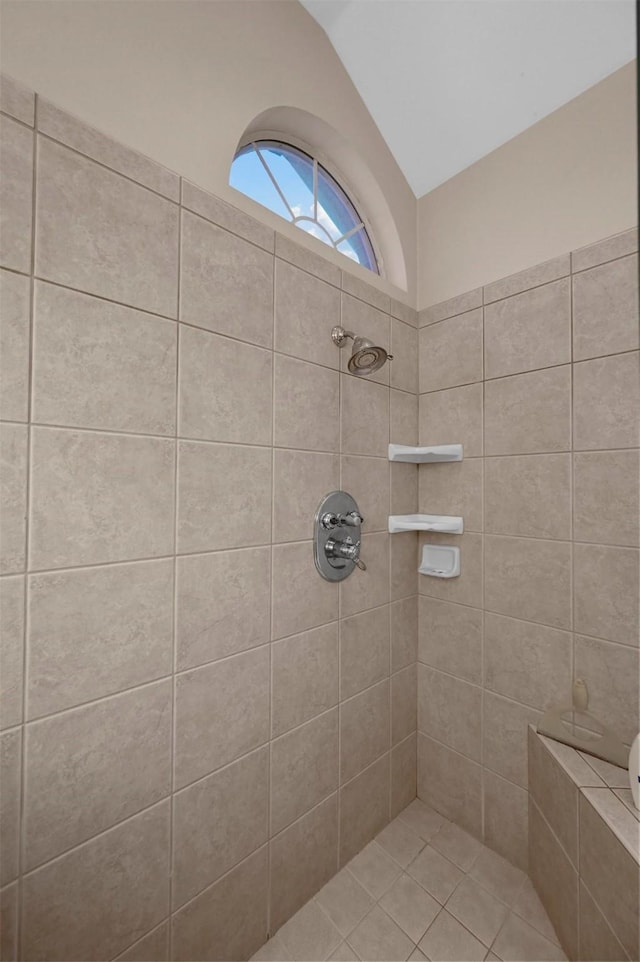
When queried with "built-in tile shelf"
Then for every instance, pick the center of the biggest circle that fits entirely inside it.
(440, 561)
(433, 454)
(445, 524)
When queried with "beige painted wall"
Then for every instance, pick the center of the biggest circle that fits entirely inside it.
(180, 81)
(568, 181)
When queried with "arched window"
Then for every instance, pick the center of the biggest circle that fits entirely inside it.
(293, 184)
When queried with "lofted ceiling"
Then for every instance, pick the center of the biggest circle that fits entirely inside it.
(448, 81)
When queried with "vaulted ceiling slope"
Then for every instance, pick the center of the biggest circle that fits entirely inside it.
(448, 81)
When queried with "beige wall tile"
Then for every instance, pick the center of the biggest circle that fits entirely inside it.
(529, 579)
(450, 783)
(301, 479)
(230, 701)
(404, 632)
(364, 729)
(403, 704)
(298, 389)
(211, 292)
(597, 941)
(403, 562)
(306, 309)
(527, 279)
(16, 100)
(364, 650)
(225, 389)
(555, 880)
(13, 500)
(229, 919)
(529, 413)
(366, 589)
(11, 650)
(612, 674)
(605, 309)
(225, 215)
(506, 819)
(223, 604)
(154, 946)
(304, 677)
(121, 880)
(404, 366)
(605, 250)
(365, 320)
(403, 427)
(451, 352)
(301, 598)
(529, 331)
(368, 481)
(89, 768)
(309, 261)
(455, 305)
(113, 491)
(527, 662)
(16, 193)
(9, 922)
(97, 631)
(467, 588)
(10, 803)
(365, 417)
(453, 417)
(403, 774)
(15, 300)
(606, 592)
(404, 488)
(61, 126)
(403, 312)
(103, 234)
(450, 638)
(224, 496)
(364, 808)
(605, 497)
(304, 769)
(529, 496)
(611, 875)
(450, 710)
(99, 365)
(357, 286)
(505, 737)
(453, 489)
(217, 822)
(555, 793)
(606, 398)
(303, 858)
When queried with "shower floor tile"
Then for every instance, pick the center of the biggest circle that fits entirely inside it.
(423, 889)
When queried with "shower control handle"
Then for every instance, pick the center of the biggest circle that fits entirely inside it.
(342, 549)
(352, 519)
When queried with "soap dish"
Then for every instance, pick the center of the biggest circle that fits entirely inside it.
(440, 561)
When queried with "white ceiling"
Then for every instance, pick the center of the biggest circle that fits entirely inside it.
(448, 81)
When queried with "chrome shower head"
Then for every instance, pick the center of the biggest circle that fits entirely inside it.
(366, 357)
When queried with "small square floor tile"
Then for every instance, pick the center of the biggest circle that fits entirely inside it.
(457, 845)
(498, 876)
(345, 901)
(529, 907)
(417, 956)
(273, 950)
(520, 942)
(410, 906)
(435, 873)
(424, 820)
(344, 953)
(309, 935)
(401, 842)
(378, 939)
(374, 869)
(478, 910)
(448, 941)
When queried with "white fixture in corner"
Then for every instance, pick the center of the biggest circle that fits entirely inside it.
(440, 561)
(425, 522)
(434, 453)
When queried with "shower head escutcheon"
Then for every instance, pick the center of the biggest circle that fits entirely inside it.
(366, 357)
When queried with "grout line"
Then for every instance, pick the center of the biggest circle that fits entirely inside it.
(271, 602)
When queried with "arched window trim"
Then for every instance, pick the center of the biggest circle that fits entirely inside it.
(319, 158)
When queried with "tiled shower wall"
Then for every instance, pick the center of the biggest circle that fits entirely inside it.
(197, 730)
(537, 375)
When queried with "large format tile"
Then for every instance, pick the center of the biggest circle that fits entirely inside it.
(606, 592)
(364, 729)
(404, 632)
(225, 389)
(114, 492)
(100, 365)
(367, 481)
(217, 822)
(345, 901)
(304, 677)
(606, 502)
(121, 880)
(226, 283)
(403, 774)
(403, 565)
(518, 940)
(225, 215)
(10, 803)
(309, 934)
(224, 496)
(449, 710)
(301, 599)
(555, 793)
(555, 879)
(404, 366)
(479, 911)
(299, 387)
(609, 249)
(403, 704)
(450, 782)
(17, 100)
(365, 417)
(366, 589)
(422, 819)
(15, 298)
(529, 579)
(306, 309)
(9, 922)
(222, 604)
(403, 418)
(400, 841)
(364, 650)
(528, 413)
(97, 631)
(11, 650)
(527, 279)
(497, 875)
(505, 819)
(154, 946)
(453, 416)
(301, 479)
(16, 192)
(528, 496)
(450, 638)
(612, 673)
(449, 308)
(451, 352)
(404, 488)
(605, 309)
(360, 288)
(103, 234)
(230, 701)
(453, 489)
(597, 941)
(13, 503)
(307, 260)
(528, 331)
(606, 401)
(364, 808)
(88, 768)
(505, 737)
